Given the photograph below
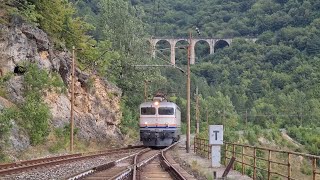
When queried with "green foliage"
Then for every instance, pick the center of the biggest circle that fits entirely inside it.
(305, 169)
(6, 115)
(3, 80)
(35, 115)
(307, 136)
(38, 80)
(62, 138)
(34, 112)
(251, 137)
(28, 10)
(129, 122)
(272, 83)
(274, 80)
(6, 118)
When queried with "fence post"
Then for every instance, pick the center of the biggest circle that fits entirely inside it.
(194, 144)
(314, 168)
(201, 146)
(233, 154)
(208, 149)
(242, 159)
(254, 163)
(225, 154)
(269, 165)
(289, 167)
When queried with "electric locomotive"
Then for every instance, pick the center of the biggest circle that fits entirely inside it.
(160, 122)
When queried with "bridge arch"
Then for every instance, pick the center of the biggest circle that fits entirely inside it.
(181, 50)
(202, 47)
(162, 48)
(220, 44)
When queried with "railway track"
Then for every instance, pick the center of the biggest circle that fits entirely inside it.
(161, 167)
(6, 170)
(146, 164)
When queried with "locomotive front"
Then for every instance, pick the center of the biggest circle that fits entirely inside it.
(160, 123)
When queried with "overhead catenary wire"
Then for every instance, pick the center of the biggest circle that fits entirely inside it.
(169, 63)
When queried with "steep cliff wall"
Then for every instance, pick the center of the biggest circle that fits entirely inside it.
(97, 108)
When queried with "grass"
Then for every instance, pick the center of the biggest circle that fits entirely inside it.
(3, 92)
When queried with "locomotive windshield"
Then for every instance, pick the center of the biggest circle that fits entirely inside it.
(166, 111)
(148, 111)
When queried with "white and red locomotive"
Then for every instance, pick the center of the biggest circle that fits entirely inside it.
(160, 122)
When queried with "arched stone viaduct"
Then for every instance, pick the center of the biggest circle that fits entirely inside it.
(213, 42)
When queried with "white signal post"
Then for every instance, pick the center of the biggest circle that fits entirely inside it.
(216, 140)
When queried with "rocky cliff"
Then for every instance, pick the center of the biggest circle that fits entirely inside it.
(97, 109)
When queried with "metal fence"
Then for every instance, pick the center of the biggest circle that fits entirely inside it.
(263, 163)
(202, 147)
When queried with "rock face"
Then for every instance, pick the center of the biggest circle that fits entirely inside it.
(22, 42)
(97, 114)
(97, 108)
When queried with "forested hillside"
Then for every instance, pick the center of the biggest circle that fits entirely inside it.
(274, 82)
(39, 36)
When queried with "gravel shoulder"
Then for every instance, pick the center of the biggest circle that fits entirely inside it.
(62, 171)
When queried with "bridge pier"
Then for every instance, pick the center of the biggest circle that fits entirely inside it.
(173, 51)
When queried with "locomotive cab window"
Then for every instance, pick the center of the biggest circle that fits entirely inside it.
(166, 111)
(148, 111)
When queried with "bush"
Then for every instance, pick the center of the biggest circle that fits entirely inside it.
(305, 169)
(63, 138)
(129, 122)
(251, 136)
(39, 80)
(3, 80)
(6, 116)
(35, 115)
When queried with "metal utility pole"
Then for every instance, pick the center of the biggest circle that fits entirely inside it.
(188, 95)
(197, 112)
(207, 116)
(146, 90)
(246, 117)
(223, 119)
(224, 123)
(72, 100)
(188, 90)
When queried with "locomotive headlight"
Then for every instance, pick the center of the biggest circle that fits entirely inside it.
(156, 103)
(146, 124)
(167, 124)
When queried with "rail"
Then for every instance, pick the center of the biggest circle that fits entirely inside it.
(264, 162)
(22, 166)
(168, 166)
